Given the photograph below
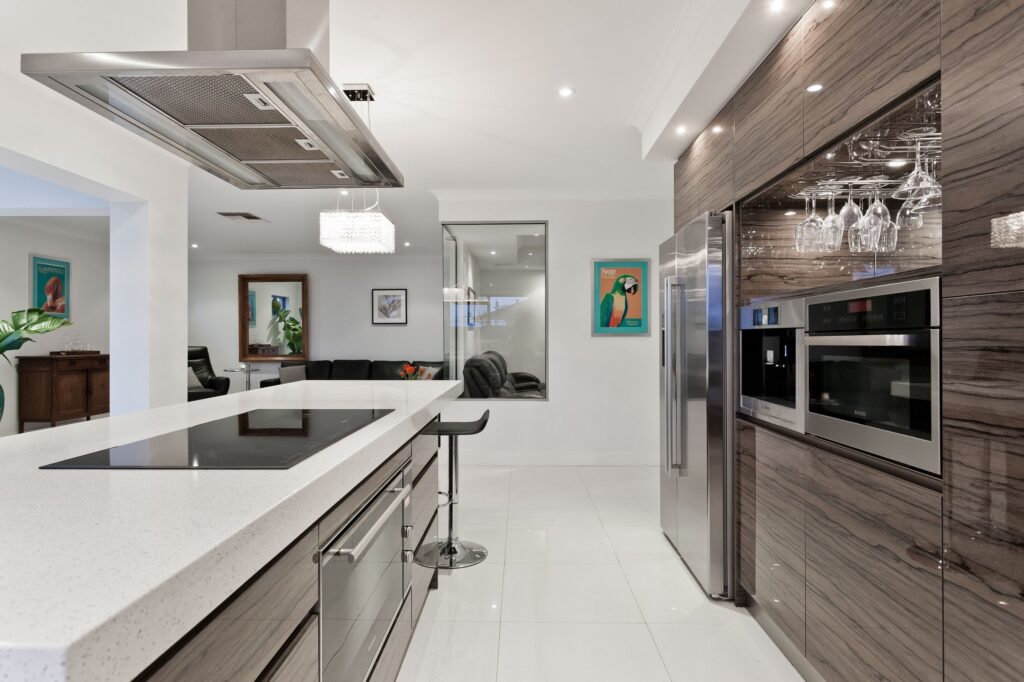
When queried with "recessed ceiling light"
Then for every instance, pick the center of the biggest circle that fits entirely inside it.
(536, 235)
(344, 192)
(527, 267)
(408, 244)
(716, 129)
(829, 4)
(815, 87)
(897, 163)
(566, 91)
(195, 246)
(830, 155)
(790, 213)
(494, 253)
(776, 5)
(680, 130)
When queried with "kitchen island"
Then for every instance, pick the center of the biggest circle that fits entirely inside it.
(103, 572)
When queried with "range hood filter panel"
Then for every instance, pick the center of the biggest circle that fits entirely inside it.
(262, 144)
(302, 174)
(202, 100)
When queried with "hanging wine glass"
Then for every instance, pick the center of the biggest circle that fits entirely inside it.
(887, 238)
(808, 231)
(919, 184)
(908, 217)
(875, 218)
(850, 213)
(832, 227)
(859, 242)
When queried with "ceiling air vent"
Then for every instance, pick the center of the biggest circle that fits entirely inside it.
(241, 216)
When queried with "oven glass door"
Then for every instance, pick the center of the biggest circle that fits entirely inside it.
(769, 365)
(362, 587)
(885, 381)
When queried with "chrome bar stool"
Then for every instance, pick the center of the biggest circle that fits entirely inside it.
(453, 552)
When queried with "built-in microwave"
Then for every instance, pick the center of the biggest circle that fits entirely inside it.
(873, 371)
(771, 362)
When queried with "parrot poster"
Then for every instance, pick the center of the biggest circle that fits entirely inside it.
(620, 298)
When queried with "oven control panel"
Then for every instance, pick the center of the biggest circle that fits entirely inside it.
(903, 310)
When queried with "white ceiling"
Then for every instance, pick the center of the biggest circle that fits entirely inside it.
(497, 246)
(90, 228)
(467, 101)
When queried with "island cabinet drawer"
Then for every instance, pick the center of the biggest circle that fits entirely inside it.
(244, 635)
(300, 660)
(345, 510)
(423, 450)
(423, 502)
(390, 661)
(422, 576)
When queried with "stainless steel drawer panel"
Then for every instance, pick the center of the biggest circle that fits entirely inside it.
(421, 575)
(345, 510)
(240, 641)
(300, 662)
(390, 661)
(423, 504)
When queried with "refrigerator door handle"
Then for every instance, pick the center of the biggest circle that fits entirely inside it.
(675, 372)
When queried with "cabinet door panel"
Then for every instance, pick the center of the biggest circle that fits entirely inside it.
(769, 116)
(713, 158)
(99, 391)
(983, 465)
(746, 503)
(865, 54)
(301, 660)
(982, 145)
(874, 586)
(71, 391)
(687, 202)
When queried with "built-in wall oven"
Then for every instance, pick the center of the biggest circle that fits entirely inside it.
(365, 577)
(771, 362)
(873, 371)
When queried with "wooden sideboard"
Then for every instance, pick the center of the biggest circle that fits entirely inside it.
(56, 388)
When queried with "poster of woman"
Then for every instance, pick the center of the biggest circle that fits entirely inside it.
(619, 306)
(50, 285)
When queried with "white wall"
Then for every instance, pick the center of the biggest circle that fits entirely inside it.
(90, 294)
(339, 301)
(603, 392)
(44, 134)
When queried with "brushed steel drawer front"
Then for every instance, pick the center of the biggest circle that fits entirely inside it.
(421, 575)
(241, 640)
(345, 510)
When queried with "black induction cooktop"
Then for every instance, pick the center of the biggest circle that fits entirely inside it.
(260, 439)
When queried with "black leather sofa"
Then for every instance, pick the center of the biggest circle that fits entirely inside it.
(487, 376)
(356, 370)
(212, 385)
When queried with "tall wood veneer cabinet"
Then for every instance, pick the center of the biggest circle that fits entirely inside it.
(713, 154)
(56, 388)
(686, 204)
(843, 558)
(864, 54)
(983, 463)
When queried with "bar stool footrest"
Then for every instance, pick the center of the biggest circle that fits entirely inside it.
(445, 554)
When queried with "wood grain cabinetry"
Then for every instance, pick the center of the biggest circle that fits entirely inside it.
(983, 464)
(686, 204)
(56, 388)
(713, 157)
(982, 144)
(866, 54)
(874, 582)
(300, 660)
(842, 557)
(769, 116)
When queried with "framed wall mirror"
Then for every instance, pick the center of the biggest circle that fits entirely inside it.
(272, 317)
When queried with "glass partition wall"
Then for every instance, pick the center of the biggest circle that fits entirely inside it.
(495, 308)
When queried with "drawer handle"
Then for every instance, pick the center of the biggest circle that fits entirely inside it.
(353, 553)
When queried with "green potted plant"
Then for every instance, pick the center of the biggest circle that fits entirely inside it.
(14, 333)
(291, 328)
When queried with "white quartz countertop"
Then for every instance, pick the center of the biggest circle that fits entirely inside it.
(101, 571)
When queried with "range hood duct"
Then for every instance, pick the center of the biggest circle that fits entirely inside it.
(266, 116)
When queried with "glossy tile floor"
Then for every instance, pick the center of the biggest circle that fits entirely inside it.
(580, 584)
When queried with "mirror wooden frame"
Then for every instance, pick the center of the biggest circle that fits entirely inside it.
(243, 317)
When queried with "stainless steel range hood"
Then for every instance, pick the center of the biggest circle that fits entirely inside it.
(258, 118)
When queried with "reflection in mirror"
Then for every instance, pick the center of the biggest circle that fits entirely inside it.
(272, 323)
(495, 293)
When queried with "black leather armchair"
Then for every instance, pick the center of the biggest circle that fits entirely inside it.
(485, 376)
(522, 381)
(212, 385)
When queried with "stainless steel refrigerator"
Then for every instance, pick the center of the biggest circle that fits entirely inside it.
(697, 414)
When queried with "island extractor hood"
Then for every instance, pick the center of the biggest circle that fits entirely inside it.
(257, 118)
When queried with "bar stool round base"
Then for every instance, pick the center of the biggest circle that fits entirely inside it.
(460, 554)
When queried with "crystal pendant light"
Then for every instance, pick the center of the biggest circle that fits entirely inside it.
(357, 230)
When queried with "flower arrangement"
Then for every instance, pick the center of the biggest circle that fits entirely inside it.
(412, 372)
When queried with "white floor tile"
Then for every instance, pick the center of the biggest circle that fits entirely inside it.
(740, 652)
(491, 537)
(567, 593)
(446, 651)
(559, 545)
(636, 543)
(643, 512)
(554, 511)
(578, 652)
(623, 482)
(667, 593)
(467, 594)
(543, 484)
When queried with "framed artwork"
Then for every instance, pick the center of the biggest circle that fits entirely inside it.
(278, 303)
(620, 297)
(252, 309)
(470, 308)
(389, 306)
(50, 285)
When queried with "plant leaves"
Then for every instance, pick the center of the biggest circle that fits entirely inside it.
(5, 327)
(46, 324)
(19, 318)
(35, 314)
(13, 341)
